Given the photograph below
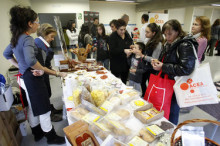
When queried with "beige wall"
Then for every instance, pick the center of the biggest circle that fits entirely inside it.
(59, 6)
(5, 31)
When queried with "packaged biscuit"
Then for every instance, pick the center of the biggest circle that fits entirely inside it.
(81, 113)
(137, 141)
(148, 114)
(155, 130)
(110, 104)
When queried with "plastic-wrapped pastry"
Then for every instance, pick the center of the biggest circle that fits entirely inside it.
(146, 136)
(78, 113)
(98, 97)
(76, 96)
(123, 113)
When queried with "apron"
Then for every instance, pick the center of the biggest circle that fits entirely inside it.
(38, 93)
(37, 89)
(45, 62)
(46, 76)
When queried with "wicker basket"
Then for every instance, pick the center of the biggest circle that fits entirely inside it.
(178, 141)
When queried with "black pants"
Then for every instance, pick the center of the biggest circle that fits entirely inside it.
(145, 77)
(174, 111)
(122, 75)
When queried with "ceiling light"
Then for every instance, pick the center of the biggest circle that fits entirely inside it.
(120, 1)
(217, 5)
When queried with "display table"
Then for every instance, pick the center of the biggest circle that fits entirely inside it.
(105, 80)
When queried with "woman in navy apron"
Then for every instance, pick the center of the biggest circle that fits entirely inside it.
(24, 22)
(46, 34)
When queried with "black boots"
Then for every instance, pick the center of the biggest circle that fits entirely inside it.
(55, 111)
(53, 138)
(56, 115)
(38, 133)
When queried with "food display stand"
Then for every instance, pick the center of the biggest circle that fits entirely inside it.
(99, 99)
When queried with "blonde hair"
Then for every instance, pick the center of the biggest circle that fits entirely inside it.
(206, 27)
(45, 29)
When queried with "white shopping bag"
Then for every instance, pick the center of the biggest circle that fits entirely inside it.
(197, 88)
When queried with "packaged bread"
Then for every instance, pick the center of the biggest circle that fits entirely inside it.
(110, 104)
(118, 115)
(100, 129)
(137, 141)
(98, 97)
(128, 95)
(76, 96)
(146, 136)
(118, 128)
(78, 113)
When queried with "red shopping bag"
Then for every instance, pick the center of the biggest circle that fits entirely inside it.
(159, 92)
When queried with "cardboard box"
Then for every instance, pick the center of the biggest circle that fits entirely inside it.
(6, 99)
(9, 136)
(78, 133)
(18, 137)
(145, 120)
(4, 135)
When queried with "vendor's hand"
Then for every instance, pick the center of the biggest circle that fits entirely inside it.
(128, 52)
(133, 70)
(157, 65)
(62, 74)
(153, 61)
(37, 72)
(132, 46)
(94, 49)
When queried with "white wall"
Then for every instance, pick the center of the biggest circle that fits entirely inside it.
(178, 14)
(58, 6)
(216, 15)
(138, 19)
(5, 31)
(113, 10)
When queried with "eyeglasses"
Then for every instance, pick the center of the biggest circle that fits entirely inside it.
(37, 22)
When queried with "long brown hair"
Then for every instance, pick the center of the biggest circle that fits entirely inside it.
(216, 23)
(175, 25)
(103, 35)
(20, 16)
(206, 27)
(154, 41)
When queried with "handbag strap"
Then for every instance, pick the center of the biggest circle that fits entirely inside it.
(195, 53)
(159, 74)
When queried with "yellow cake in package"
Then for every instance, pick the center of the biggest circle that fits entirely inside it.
(98, 97)
(76, 96)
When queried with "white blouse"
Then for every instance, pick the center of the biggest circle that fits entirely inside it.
(73, 36)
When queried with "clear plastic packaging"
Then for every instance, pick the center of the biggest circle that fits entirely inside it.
(100, 129)
(119, 114)
(128, 95)
(81, 113)
(193, 136)
(137, 103)
(110, 104)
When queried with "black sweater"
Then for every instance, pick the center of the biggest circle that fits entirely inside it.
(118, 59)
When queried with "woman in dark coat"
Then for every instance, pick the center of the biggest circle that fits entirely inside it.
(119, 47)
(178, 58)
